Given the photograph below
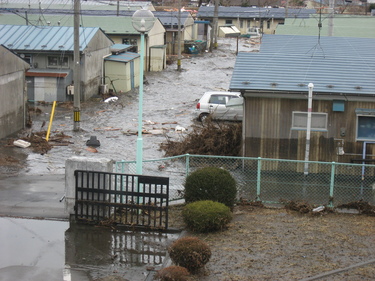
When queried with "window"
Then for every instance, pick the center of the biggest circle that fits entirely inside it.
(27, 58)
(268, 24)
(318, 121)
(365, 128)
(57, 62)
(241, 23)
(228, 22)
(248, 23)
(129, 41)
(218, 99)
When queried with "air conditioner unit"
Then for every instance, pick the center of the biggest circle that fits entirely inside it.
(70, 90)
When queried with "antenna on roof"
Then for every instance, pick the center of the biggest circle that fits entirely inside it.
(319, 30)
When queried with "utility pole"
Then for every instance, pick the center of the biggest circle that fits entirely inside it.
(77, 69)
(214, 27)
(179, 37)
(331, 12)
(216, 15)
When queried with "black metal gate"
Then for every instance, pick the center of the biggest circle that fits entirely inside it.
(121, 199)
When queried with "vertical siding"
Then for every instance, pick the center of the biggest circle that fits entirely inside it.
(268, 133)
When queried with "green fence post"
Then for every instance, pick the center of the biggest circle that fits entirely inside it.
(187, 168)
(332, 184)
(258, 177)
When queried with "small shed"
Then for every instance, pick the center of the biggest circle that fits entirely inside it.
(122, 71)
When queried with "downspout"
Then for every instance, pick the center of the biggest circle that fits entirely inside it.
(103, 74)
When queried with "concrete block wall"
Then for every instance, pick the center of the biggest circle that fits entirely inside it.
(85, 164)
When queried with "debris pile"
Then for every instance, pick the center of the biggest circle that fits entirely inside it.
(210, 138)
(302, 207)
(362, 207)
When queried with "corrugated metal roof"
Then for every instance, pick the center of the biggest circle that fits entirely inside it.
(46, 38)
(256, 12)
(315, 46)
(171, 18)
(66, 4)
(109, 24)
(352, 74)
(343, 26)
(120, 47)
(123, 57)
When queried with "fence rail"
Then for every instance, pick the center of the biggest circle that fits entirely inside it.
(271, 180)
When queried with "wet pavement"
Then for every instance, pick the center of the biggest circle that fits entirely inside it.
(32, 249)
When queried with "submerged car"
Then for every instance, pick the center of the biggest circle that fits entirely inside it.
(220, 106)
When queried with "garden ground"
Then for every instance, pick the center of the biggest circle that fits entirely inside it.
(279, 244)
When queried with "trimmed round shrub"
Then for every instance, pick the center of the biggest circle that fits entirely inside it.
(211, 183)
(190, 252)
(173, 273)
(206, 216)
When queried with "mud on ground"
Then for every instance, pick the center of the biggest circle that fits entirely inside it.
(279, 244)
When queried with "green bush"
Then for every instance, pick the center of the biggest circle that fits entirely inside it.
(173, 273)
(206, 216)
(190, 252)
(211, 183)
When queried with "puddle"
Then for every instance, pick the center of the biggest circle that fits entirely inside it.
(54, 250)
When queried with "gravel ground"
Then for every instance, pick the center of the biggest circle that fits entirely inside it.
(279, 244)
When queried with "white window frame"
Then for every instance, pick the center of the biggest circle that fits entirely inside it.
(362, 138)
(301, 114)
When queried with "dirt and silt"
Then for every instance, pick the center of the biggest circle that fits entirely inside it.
(260, 243)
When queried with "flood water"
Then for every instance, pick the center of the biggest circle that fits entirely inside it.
(169, 100)
(39, 250)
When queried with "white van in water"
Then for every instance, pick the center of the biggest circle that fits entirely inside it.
(221, 106)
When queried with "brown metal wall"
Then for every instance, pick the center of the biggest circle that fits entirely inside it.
(268, 133)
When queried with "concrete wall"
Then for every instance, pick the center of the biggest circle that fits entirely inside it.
(92, 62)
(81, 163)
(12, 93)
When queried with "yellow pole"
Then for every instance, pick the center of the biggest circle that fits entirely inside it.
(50, 120)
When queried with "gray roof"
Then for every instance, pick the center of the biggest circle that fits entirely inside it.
(346, 67)
(69, 4)
(168, 19)
(313, 45)
(123, 57)
(253, 12)
(44, 38)
(171, 18)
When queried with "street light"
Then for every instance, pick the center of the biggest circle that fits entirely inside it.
(143, 21)
(308, 127)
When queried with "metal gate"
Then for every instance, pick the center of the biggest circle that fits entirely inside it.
(121, 199)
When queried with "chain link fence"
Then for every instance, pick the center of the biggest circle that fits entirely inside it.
(270, 180)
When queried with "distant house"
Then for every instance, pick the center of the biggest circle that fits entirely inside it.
(49, 50)
(12, 92)
(248, 19)
(170, 20)
(274, 84)
(116, 24)
(342, 26)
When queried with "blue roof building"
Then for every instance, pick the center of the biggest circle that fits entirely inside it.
(274, 83)
(49, 50)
